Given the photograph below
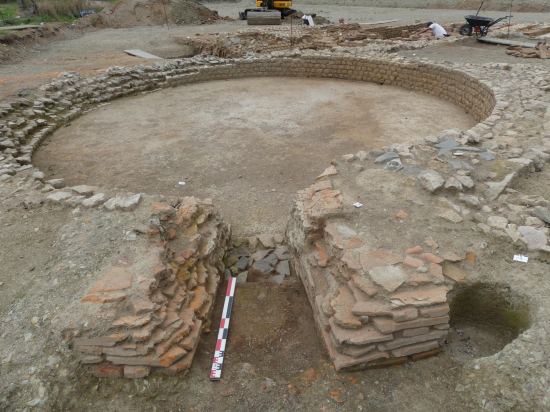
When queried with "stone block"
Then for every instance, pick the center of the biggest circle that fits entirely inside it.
(58, 197)
(378, 257)
(83, 190)
(95, 200)
(404, 314)
(387, 325)
(419, 348)
(107, 370)
(406, 341)
(422, 296)
(171, 356)
(363, 336)
(435, 311)
(372, 308)
(388, 277)
(283, 268)
(407, 333)
(412, 262)
(431, 180)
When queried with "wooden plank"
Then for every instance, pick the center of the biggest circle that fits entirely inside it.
(20, 27)
(374, 23)
(141, 53)
(506, 42)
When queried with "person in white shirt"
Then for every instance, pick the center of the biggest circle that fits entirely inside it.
(437, 30)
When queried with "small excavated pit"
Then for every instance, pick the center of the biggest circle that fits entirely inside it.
(484, 319)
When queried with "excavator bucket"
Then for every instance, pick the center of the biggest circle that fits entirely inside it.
(263, 17)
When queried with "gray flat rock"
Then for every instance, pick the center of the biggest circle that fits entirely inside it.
(242, 277)
(271, 259)
(386, 157)
(56, 183)
(95, 200)
(283, 268)
(261, 268)
(448, 144)
(83, 190)
(242, 263)
(496, 188)
(543, 213)
(282, 252)
(389, 277)
(58, 197)
(535, 239)
(431, 180)
(122, 202)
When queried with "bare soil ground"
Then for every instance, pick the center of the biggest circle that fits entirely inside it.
(92, 51)
(249, 144)
(275, 360)
(472, 51)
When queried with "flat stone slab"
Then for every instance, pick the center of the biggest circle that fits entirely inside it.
(123, 202)
(389, 277)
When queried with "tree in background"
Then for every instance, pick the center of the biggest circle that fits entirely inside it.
(27, 8)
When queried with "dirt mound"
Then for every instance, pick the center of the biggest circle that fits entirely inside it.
(130, 13)
(260, 40)
(14, 43)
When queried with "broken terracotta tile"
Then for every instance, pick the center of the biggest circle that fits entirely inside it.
(430, 257)
(412, 262)
(114, 278)
(415, 250)
(378, 257)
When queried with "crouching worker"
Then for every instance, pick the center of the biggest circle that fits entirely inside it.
(437, 30)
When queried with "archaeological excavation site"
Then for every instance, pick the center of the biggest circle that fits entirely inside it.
(204, 207)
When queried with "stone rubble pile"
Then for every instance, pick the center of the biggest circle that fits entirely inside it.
(352, 36)
(87, 196)
(148, 314)
(262, 258)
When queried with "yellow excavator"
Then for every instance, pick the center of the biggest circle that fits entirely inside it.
(267, 12)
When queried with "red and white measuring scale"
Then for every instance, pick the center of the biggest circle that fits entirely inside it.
(217, 361)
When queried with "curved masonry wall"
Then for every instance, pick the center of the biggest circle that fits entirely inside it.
(26, 123)
(140, 330)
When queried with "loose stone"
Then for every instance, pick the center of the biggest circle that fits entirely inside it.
(431, 180)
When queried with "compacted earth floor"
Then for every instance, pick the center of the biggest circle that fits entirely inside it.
(249, 144)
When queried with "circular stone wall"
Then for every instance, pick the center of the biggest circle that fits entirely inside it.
(249, 144)
(27, 122)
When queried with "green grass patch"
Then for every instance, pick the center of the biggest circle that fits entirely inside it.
(48, 11)
(8, 11)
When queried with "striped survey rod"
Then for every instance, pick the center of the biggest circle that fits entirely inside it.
(217, 361)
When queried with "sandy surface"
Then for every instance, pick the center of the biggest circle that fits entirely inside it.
(470, 50)
(250, 144)
(94, 51)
